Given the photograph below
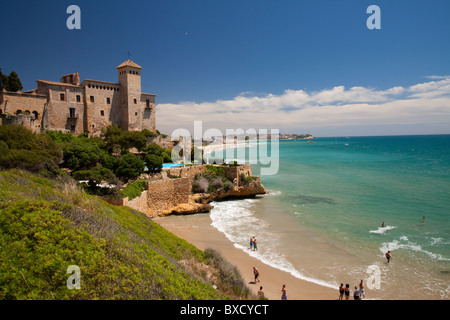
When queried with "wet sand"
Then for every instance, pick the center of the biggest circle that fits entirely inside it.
(198, 231)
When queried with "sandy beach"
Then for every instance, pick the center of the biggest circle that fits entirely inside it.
(197, 230)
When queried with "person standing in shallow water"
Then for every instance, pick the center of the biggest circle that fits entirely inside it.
(255, 245)
(388, 256)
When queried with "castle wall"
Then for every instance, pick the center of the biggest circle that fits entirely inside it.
(147, 109)
(105, 110)
(12, 102)
(27, 121)
(61, 99)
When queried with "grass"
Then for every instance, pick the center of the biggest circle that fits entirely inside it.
(47, 225)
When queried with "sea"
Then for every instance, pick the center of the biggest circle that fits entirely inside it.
(338, 204)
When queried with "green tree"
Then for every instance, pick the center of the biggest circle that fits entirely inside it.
(129, 166)
(13, 83)
(96, 175)
(112, 136)
(154, 162)
(130, 139)
(83, 154)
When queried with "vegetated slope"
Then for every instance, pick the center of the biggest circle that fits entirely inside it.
(48, 225)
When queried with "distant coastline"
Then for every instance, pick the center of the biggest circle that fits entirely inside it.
(296, 136)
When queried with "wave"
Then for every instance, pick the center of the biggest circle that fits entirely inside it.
(404, 243)
(382, 230)
(237, 222)
(273, 193)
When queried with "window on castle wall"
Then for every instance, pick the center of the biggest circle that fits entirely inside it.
(92, 98)
(78, 98)
(147, 103)
(135, 101)
(135, 113)
(102, 112)
(108, 100)
(61, 96)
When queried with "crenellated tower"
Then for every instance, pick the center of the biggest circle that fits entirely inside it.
(130, 95)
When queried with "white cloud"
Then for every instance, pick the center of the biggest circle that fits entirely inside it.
(420, 105)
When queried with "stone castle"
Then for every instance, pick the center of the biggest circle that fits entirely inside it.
(87, 107)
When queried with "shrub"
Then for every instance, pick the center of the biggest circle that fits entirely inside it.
(21, 148)
(133, 190)
(229, 275)
(200, 185)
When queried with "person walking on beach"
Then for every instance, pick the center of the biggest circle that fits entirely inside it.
(255, 245)
(283, 293)
(388, 256)
(256, 273)
(341, 291)
(347, 291)
(361, 289)
(251, 243)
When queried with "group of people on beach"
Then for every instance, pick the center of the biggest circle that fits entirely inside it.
(358, 293)
(261, 291)
(254, 247)
(253, 244)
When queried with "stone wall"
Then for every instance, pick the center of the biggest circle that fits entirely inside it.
(163, 195)
(232, 173)
(27, 121)
(18, 102)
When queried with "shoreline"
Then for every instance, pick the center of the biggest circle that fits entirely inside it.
(200, 233)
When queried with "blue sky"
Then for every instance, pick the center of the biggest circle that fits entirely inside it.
(252, 63)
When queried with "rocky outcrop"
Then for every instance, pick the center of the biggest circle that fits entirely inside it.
(200, 202)
(169, 196)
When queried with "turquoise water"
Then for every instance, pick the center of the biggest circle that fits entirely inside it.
(328, 201)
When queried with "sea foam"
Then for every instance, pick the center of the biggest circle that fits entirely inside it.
(238, 223)
(382, 230)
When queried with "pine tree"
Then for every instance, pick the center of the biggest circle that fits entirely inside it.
(13, 83)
